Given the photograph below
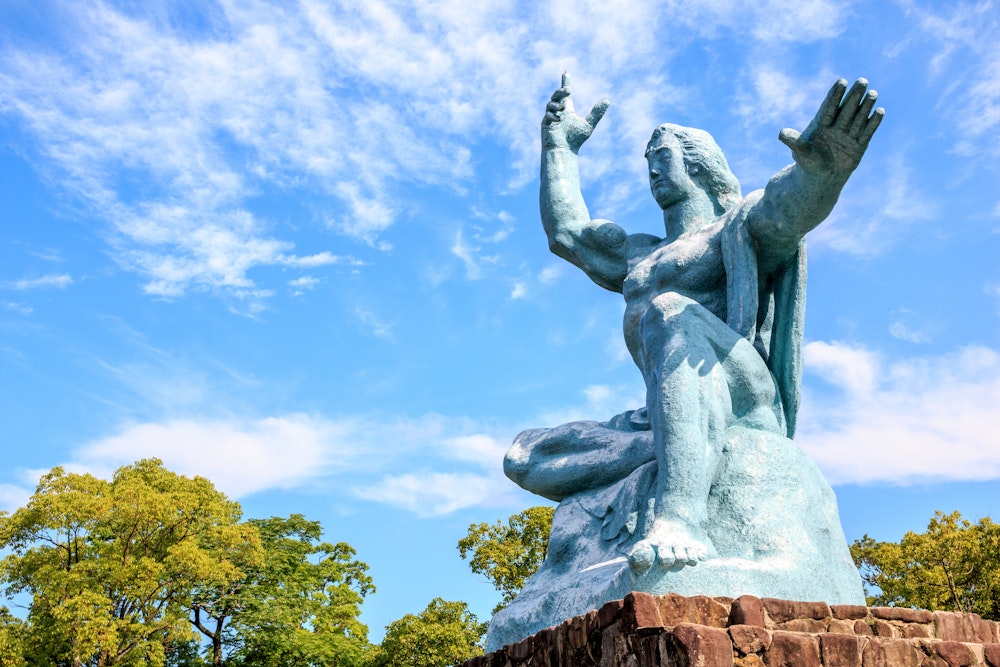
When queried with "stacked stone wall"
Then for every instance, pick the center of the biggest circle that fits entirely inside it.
(674, 631)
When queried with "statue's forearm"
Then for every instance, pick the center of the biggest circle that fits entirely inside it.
(795, 201)
(564, 213)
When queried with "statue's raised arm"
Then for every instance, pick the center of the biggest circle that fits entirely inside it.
(596, 246)
(802, 195)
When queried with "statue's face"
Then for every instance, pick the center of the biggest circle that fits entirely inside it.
(669, 180)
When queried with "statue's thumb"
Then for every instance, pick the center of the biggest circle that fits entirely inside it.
(790, 138)
(597, 113)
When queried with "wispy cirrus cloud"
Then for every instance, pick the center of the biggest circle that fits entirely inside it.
(167, 134)
(50, 280)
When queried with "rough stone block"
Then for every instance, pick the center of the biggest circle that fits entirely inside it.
(782, 611)
(747, 610)
(609, 613)
(640, 611)
(698, 609)
(699, 646)
(862, 628)
(991, 654)
(792, 649)
(840, 627)
(749, 638)
(916, 631)
(841, 650)
(901, 653)
(849, 612)
(902, 614)
(871, 654)
(752, 660)
(885, 629)
(956, 654)
(810, 625)
(948, 626)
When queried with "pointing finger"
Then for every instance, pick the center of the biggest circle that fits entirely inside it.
(597, 113)
(565, 81)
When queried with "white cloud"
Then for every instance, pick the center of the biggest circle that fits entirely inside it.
(374, 324)
(240, 458)
(600, 402)
(921, 419)
(429, 494)
(519, 291)
(57, 280)
(353, 102)
(13, 496)
(550, 274)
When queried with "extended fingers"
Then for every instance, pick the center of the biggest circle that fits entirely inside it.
(850, 107)
(828, 109)
(871, 126)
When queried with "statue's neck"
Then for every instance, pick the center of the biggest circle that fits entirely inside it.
(687, 215)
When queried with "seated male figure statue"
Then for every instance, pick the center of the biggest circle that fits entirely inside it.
(701, 490)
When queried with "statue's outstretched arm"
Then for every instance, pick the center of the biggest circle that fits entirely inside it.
(802, 195)
(596, 246)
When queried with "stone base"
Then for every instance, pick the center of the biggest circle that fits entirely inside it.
(672, 630)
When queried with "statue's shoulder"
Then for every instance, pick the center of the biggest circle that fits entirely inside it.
(639, 245)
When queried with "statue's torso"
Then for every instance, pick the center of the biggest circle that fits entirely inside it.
(691, 266)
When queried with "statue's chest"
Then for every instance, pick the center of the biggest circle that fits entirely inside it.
(690, 265)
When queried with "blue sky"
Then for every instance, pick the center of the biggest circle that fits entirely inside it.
(295, 248)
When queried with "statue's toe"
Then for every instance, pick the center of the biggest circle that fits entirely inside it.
(642, 556)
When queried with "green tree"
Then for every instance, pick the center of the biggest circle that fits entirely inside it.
(509, 554)
(11, 640)
(955, 565)
(110, 565)
(443, 634)
(300, 606)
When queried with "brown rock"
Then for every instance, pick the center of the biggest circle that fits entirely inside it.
(871, 654)
(840, 650)
(901, 653)
(991, 654)
(916, 631)
(648, 651)
(697, 646)
(752, 660)
(792, 649)
(902, 614)
(698, 609)
(782, 611)
(956, 654)
(749, 638)
(576, 633)
(609, 613)
(862, 628)
(840, 627)
(520, 650)
(747, 610)
(885, 629)
(948, 626)
(640, 611)
(811, 625)
(849, 612)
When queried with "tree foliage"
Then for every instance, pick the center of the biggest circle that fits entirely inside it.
(508, 554)
(301, 605)
(443, 634)
(955, 565)
(137, 570)
(109, 565)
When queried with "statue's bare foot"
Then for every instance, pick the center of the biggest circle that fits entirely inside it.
(669, 544)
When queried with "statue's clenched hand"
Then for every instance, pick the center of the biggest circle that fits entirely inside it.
(561, 126)
(838, 135)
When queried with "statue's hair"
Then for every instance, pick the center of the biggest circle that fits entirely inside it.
(705, 162)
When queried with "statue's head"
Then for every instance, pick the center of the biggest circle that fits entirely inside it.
(704, 161)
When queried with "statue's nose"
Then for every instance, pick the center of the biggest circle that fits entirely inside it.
(654, 172)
